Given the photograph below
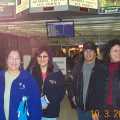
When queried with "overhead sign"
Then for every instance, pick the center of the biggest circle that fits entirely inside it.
(21, 5)
(46, 3)
(109, 6)
(84, 3)
(68, 6)
(7, 9)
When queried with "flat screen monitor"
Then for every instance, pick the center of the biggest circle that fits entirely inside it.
(60, 29)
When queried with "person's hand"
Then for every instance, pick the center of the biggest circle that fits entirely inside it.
(74, 100)
(44, 107)
(95, 117)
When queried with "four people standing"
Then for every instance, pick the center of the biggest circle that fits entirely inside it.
(92, 87)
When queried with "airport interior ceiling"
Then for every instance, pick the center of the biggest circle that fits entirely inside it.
(96, 28)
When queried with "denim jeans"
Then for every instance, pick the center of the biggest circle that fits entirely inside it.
(83, 115)
(44, 118)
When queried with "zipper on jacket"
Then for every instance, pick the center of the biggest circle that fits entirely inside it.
(43, 83)
(42, 88)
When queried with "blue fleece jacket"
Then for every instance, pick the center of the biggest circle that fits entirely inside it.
(23, 86)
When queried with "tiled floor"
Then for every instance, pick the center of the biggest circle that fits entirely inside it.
(66, 112)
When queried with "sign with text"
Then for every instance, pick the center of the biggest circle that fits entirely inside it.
(21, 5)
(84, 3)
(7, 9)
(109, 6)
(61, 62)
(47, 3)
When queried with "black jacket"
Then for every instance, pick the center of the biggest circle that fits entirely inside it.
(100, 88)
(54, 89)
(75, 84)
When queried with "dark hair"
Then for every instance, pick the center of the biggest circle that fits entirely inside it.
(10, 50)
(39, 51)
(72, 51)
(107, 48)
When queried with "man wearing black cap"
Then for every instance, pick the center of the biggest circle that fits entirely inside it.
(78, 82)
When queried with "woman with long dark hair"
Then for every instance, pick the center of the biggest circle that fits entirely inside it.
(50, 81)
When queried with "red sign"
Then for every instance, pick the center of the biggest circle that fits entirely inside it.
(84, 9)
(48, 8)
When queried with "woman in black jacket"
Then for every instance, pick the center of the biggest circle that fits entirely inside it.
(106, 92)
(50, 81)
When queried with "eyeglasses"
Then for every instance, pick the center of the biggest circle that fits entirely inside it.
(44, 56)
(115, 51)
(13, 58)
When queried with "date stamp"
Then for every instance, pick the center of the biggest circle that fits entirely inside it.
(106, 113)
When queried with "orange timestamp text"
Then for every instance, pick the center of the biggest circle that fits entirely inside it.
(106, 113)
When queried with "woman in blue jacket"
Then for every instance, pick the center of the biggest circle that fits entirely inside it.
(50, 81)
(16, 84)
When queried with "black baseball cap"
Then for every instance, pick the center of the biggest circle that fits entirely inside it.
(89, 45)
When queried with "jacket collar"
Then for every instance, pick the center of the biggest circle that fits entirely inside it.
(105, 66)
(97, 62)
(22, 74)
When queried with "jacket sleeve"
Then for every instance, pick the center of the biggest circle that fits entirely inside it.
(58, 95)
(70, 87)
(35, 108)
